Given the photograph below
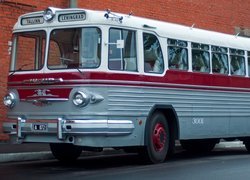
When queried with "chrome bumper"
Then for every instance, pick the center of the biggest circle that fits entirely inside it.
(64, 127)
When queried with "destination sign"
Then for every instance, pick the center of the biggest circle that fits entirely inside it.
(32, 20)
(72, 17)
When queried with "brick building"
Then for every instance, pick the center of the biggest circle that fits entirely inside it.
(222, 16)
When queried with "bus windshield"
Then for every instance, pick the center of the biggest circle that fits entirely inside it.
(74, 48)
(28, 51)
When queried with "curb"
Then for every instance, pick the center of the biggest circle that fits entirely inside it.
(25, 156)
(233, 144)
(47, 155)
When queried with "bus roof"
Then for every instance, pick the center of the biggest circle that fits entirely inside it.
(79, 17)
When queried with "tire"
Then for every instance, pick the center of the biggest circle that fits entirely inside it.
(157, 139)
(199, 146)
(65, 152)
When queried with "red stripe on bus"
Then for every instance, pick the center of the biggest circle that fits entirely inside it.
(171, 79)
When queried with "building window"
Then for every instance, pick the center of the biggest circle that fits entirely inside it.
(177, 54)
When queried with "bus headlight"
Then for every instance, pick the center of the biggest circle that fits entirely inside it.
(49, 14)
(81, 99)
(9, 100)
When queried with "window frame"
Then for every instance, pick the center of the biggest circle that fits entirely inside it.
(39, 42)
(123, 63)
(219, 51)
(163, 69)
(179, 47)
(199, 48)
(79, 51)
(236, 53)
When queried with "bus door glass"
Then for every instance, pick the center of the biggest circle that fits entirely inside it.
(122, 57)
(75, 48)
(28, 51)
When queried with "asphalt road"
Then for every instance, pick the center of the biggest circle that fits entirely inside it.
(222, 163)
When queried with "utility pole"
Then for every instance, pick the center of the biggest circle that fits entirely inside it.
(73, 3)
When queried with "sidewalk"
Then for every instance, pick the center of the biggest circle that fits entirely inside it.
(39, 151)
(24, 152)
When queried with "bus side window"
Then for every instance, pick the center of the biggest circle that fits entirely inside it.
(153, 58)
(237, 64)
(200, 57)
(219, 60)
(123, 59)
(177, 54)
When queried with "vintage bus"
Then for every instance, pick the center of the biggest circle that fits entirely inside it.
(87, 80)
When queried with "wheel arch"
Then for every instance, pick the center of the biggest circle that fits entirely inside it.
(171, 117)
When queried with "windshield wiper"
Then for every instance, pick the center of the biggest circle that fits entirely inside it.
(20, 69)
(13, 72)
(79, 70)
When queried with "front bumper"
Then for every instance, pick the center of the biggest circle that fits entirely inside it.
(63, 128)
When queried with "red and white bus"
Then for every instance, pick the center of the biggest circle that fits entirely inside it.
(87, 80)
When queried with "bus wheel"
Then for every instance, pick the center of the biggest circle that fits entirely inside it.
(199, 146)
(65, 152)
(157, 139)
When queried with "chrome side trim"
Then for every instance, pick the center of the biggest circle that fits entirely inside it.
(44, 99)
(64, 127)
(43, 81)
(142, 84)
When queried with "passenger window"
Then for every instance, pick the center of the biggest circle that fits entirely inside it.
(122, 58)
(237, 62)
(177, 54)
(153, 58)
(219, 60)
(200, 57)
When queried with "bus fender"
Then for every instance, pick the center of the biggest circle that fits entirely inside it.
(171, 116)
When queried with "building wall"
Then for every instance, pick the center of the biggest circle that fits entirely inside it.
(223, 16)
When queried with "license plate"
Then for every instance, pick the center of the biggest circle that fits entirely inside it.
(41, 127)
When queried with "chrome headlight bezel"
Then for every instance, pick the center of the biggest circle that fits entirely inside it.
(81, 99)
(49, 14)
(9, 100)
